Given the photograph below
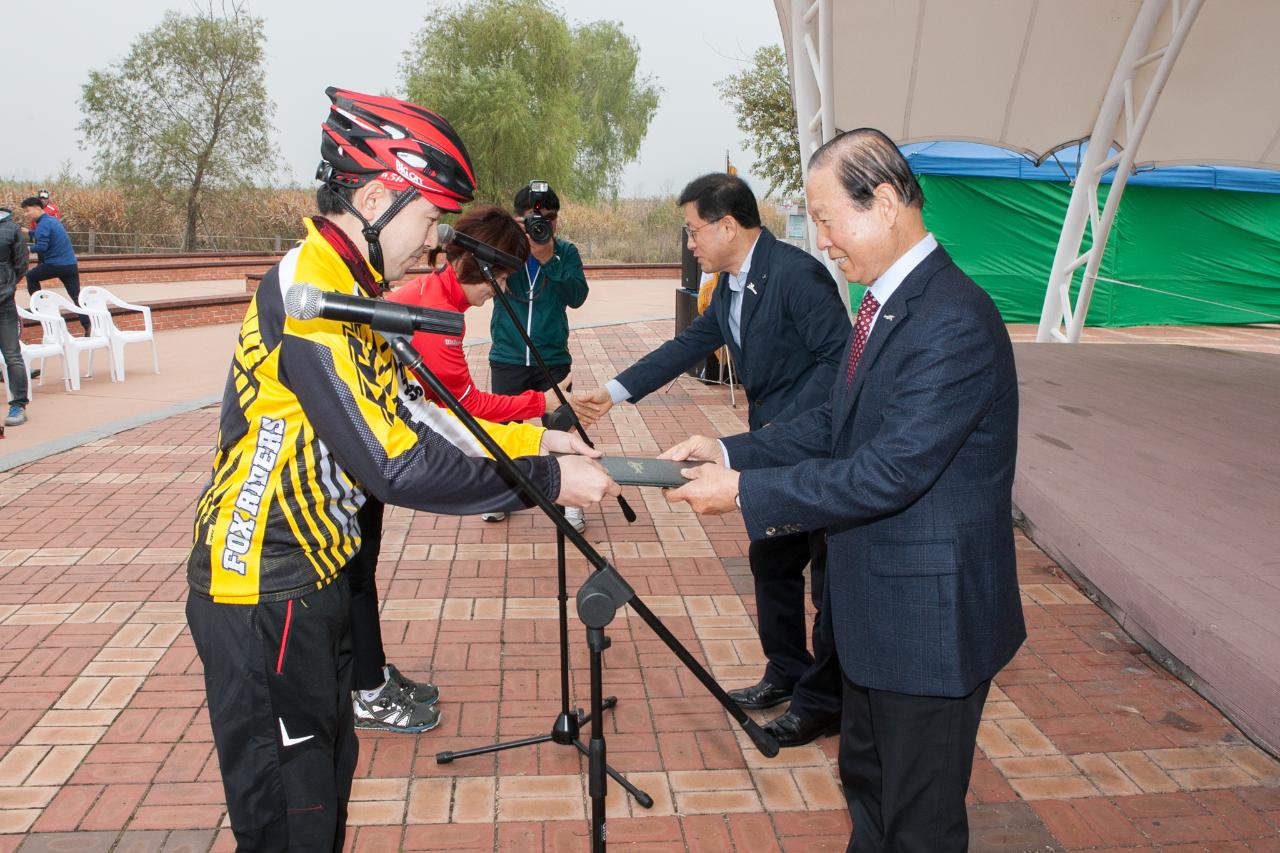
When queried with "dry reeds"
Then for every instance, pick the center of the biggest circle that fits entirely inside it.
(107, 219)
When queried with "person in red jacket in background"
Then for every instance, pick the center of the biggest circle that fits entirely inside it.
(49, 207)
(457, 286)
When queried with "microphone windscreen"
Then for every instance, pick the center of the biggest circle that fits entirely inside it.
(302, 302)
(444, 234)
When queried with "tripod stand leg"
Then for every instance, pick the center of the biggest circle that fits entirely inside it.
(641, 797)
(566, 729)
(446, 757)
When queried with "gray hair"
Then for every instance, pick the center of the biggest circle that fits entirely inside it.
(864, 159)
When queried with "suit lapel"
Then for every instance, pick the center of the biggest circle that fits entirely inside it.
(892, 315)
(752, 293)
(757, 279)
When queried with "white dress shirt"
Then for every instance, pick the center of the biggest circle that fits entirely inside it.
(738, 281)
(883, 287)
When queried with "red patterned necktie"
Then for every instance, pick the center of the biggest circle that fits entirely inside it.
(861, 328)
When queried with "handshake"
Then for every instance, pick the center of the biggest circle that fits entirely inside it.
(590, 406)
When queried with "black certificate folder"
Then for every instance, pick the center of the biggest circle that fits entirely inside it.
(637, 471)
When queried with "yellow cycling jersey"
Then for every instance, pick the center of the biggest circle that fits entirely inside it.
(317, 415)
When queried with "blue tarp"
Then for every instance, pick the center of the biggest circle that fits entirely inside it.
(978, 160)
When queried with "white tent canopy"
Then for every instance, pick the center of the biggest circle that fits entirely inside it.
(1164, 81)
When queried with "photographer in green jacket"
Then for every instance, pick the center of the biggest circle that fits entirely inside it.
(551, 282)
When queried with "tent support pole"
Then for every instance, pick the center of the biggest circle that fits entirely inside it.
(812, 88)
(1059, 320)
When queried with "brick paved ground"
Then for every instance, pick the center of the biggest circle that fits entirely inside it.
(1086, 743)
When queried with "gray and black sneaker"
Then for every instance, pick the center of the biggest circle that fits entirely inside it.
(424, 694)
(573, 514)
(393, 710)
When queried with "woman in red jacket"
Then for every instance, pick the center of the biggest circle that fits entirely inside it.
(457, 286)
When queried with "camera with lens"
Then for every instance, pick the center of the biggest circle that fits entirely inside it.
(537, 222)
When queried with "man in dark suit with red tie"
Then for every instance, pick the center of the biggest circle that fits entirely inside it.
(777, 311)
(909, 466)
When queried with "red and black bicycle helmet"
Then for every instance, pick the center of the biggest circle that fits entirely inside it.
(412, 150)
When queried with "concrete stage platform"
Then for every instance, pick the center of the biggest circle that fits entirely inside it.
(1152, 473)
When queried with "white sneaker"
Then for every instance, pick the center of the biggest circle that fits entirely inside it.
(573, 514)
(393, 710)
(493, 516)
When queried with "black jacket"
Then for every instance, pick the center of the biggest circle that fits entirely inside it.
(909, 467)
(794, 328)
(13, 253)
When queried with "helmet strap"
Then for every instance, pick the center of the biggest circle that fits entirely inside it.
(373, 231)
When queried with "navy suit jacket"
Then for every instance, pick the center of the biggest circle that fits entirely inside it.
(793, 328)
(910, 468)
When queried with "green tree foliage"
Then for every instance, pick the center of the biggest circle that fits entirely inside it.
(533, 97)
(185, 111)
(761, 97)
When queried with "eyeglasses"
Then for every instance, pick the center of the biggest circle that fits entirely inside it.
(693, 232)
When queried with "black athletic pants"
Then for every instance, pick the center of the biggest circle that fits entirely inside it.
(68, 274)
(278, 680)
(905, 763)
(516, 378)
(366, 629)
(777, 566)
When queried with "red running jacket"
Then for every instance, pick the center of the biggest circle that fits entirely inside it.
(448, 360)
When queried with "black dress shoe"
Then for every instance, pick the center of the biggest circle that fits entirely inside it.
(791, 730)
(759, 696)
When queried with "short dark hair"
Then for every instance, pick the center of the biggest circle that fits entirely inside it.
(867, 159)
(32, 201)
(327, 199)
(524, 200)
(489, 224)
(327, 203)
(720, 194)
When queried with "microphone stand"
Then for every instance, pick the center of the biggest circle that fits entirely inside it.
(605, 581)
(568, 724)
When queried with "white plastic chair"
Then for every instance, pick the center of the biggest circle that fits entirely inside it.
(47, 304)
(97, 301)
(49, 346)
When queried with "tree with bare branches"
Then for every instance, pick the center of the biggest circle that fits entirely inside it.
(185, 111)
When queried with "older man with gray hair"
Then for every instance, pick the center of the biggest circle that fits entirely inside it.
(909, 466)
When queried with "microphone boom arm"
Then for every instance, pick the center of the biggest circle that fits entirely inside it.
(623, 594)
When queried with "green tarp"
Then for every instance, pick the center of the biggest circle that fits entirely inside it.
(1220, 248)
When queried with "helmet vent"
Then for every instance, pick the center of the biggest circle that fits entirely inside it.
(412, 159)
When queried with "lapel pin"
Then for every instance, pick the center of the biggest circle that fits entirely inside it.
(889, 317)
(752, 288)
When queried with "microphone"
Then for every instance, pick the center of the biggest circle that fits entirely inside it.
(483, 251)
(307, 302)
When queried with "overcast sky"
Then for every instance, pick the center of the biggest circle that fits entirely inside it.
(685, 46)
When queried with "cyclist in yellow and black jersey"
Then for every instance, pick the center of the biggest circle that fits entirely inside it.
(317, 420)
(316, 415)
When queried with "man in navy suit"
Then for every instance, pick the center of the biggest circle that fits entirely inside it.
(909, 467)
(777, 310)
